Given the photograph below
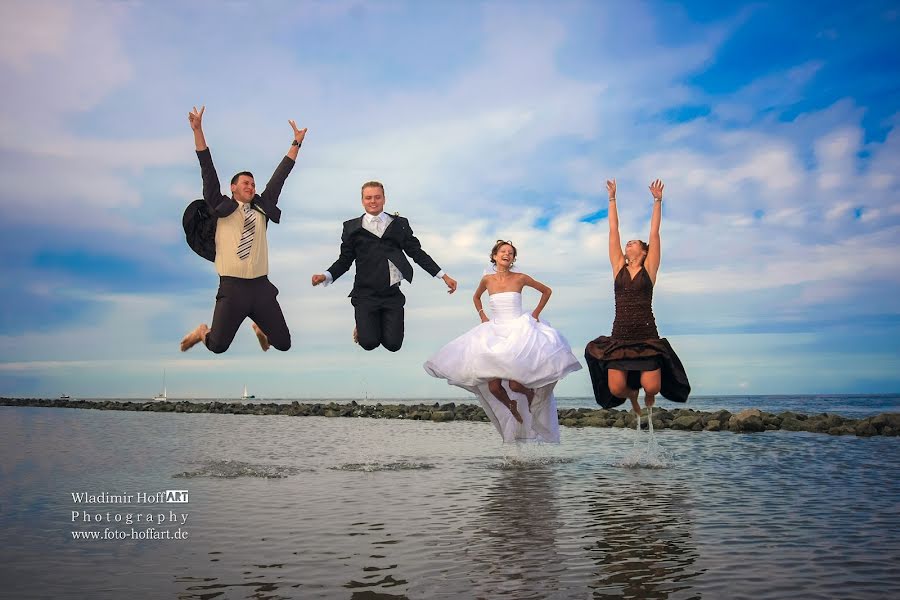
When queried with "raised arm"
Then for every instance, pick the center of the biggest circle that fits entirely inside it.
(195, 118)
(299, 134)
(220, 204)
(651, 263)
(482, 287)
(545, 295)
(616, 257)
(268, 200)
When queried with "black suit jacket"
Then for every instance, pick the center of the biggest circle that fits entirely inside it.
(371, 254)
(201, 216)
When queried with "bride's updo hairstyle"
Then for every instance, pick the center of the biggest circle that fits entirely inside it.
(498, 245)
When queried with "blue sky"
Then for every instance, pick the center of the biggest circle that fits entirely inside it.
(775, 128)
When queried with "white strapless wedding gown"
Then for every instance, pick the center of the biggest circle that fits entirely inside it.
(512, 345)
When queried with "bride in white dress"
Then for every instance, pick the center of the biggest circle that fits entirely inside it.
(512, 361)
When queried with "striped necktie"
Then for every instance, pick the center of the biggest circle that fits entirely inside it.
(243, 249)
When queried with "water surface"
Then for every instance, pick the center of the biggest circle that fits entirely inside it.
(312, 507)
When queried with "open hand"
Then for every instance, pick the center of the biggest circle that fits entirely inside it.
(656, 188)
(611, 188)
(195, 118)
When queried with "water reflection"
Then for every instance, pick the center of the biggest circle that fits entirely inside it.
(643, 545)
(514, 545)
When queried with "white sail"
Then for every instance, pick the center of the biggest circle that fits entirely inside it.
(164, 396)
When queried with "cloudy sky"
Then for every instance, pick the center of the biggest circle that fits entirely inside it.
(776, 130)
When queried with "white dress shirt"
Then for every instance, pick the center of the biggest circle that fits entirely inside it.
(376, 224)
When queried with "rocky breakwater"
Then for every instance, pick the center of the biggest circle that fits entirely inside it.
(684, 419)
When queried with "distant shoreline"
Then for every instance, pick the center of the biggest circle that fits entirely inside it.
(750, 420)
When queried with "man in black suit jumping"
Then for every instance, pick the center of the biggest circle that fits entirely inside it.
(377, 242)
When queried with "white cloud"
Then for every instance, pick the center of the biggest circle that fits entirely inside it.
(33, 29)
(469, 157)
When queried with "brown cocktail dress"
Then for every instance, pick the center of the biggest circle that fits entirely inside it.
(634, 345)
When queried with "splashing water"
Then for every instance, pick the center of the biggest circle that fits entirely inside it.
(371, 467)
(650, 455)
(524, 455)
(231, 469)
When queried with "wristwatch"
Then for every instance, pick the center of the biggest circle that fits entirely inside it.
(295, 143)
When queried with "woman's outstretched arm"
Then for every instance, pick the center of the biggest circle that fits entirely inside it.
(653, 254)
(616, 257)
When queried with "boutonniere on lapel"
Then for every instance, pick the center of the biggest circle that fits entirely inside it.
(396, 214)
(258, 208)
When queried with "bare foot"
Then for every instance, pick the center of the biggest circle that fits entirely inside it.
(514, 410)
(262, 337)
(496, 387)
(355, 336)
(194, 337)
(635, 406)
(527, 392)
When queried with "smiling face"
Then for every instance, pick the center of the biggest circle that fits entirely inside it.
(635, 252)
(373, 198)
(503, 255)
(244, 188)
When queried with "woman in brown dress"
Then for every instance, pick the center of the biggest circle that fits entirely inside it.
(634, 356)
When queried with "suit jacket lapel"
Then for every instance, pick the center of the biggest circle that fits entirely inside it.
(354, 225)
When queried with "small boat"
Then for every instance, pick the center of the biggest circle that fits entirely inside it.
(163, 397)
(65, 397)
(245, 395)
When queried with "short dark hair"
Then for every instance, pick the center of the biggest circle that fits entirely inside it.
(238, 176)
(500, 244)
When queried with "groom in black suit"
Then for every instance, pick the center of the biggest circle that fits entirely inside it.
(377, 242)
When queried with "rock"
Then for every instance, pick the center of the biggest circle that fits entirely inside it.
(817, 424)
(686, 419)
(746, 414)
(865, 428)
(686, 422)
(887, 424)
(748, 421)
(791, 424)
(831, 421)
(771, 421)
(441, 416)
(593, 421)
(747, 424)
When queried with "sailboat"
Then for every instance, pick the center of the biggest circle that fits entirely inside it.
(245, 395)
(163, 397)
